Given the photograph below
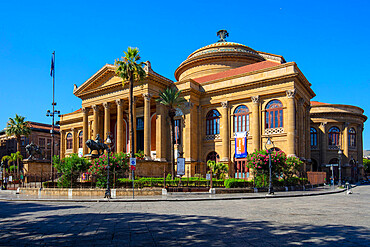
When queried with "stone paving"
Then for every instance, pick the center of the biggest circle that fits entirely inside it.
(327, 220)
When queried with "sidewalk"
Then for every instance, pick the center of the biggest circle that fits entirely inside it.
(8, 195)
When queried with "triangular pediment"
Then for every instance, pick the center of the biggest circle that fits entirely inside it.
(104, 78)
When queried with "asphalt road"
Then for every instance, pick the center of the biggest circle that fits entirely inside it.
(327, 220)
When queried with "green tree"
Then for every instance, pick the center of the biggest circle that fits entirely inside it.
(293, 167)
(218, 169)
(13, 157)
(70, 167)
(130, 70)
(18, 127)
(171, 98)
(366, 163)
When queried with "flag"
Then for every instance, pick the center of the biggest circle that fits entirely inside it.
(52, 64)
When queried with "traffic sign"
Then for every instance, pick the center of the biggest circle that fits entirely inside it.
(133, 161)
(133, 164)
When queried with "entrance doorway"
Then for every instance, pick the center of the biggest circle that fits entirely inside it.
(139, 134)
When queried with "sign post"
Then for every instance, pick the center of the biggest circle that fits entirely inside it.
(332, 172)
(133, 168)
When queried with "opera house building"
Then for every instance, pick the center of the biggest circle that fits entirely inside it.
(230, 90)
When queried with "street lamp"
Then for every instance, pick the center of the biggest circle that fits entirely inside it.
(107, 192)
(52, 114)
(269, 142)
(340, 167)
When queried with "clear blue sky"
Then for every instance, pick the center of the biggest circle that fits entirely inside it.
(329, 40)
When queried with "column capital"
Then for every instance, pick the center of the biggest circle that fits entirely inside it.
(73, 129)
(323, 124)
(225, 104)
(301, 101)
(291, 93)
(85, 110)
(95, 107)
(188, 105)
(147, 96)
(119, 102)
(308, 108)
(255, 99)
(106, 105)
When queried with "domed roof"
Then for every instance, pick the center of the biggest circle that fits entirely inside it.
(216, 57)
(222, 47)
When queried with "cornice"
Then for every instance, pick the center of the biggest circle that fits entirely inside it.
(338, 114)
(224, 90)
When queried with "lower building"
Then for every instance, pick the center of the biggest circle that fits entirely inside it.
(230, 90)
(40, 135)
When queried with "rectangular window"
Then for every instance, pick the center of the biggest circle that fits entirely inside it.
(49, 144)
(42, 142)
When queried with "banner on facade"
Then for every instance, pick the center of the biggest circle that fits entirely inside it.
(241, 145)
(181, 166)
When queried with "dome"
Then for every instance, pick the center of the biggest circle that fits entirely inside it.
(217, 57)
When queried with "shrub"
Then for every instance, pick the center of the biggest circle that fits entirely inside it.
(70, 167)
(118, 164)
(218, 169)
(237, 183)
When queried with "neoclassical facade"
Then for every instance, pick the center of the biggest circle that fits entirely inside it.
(229, 89)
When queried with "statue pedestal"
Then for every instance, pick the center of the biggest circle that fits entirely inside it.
(35, 170)
(91, 156)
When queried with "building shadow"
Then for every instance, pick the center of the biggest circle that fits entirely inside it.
(148, 229)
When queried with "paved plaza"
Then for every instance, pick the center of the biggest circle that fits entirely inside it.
(325, 220)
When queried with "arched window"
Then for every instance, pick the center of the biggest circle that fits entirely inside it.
(313, 137)
(80, 139)
(69, 141)
(274, 114)
(213, 156)
(334, 136)
(352, 137)
(241, 119)
(213, 123)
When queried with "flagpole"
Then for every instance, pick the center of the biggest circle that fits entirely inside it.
(52, 125)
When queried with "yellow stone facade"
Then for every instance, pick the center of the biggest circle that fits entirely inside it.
(220, 76)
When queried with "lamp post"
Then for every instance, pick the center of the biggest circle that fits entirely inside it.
(269, 142)
(52, 114)
(107, 192)
(340, 167)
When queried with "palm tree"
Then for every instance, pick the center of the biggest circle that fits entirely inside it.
(13, 157)
(130, 70)
(171, 98)
(18, 127)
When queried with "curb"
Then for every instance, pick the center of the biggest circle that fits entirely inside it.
(180, 199)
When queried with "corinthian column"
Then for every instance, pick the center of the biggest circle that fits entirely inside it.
(345, 159)
(106, 119)
(85, 129)
(96, 120)
(225, 131)
(255, 126)
(119, 138)
(290, 123)
(62, 143)
(147, 128)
